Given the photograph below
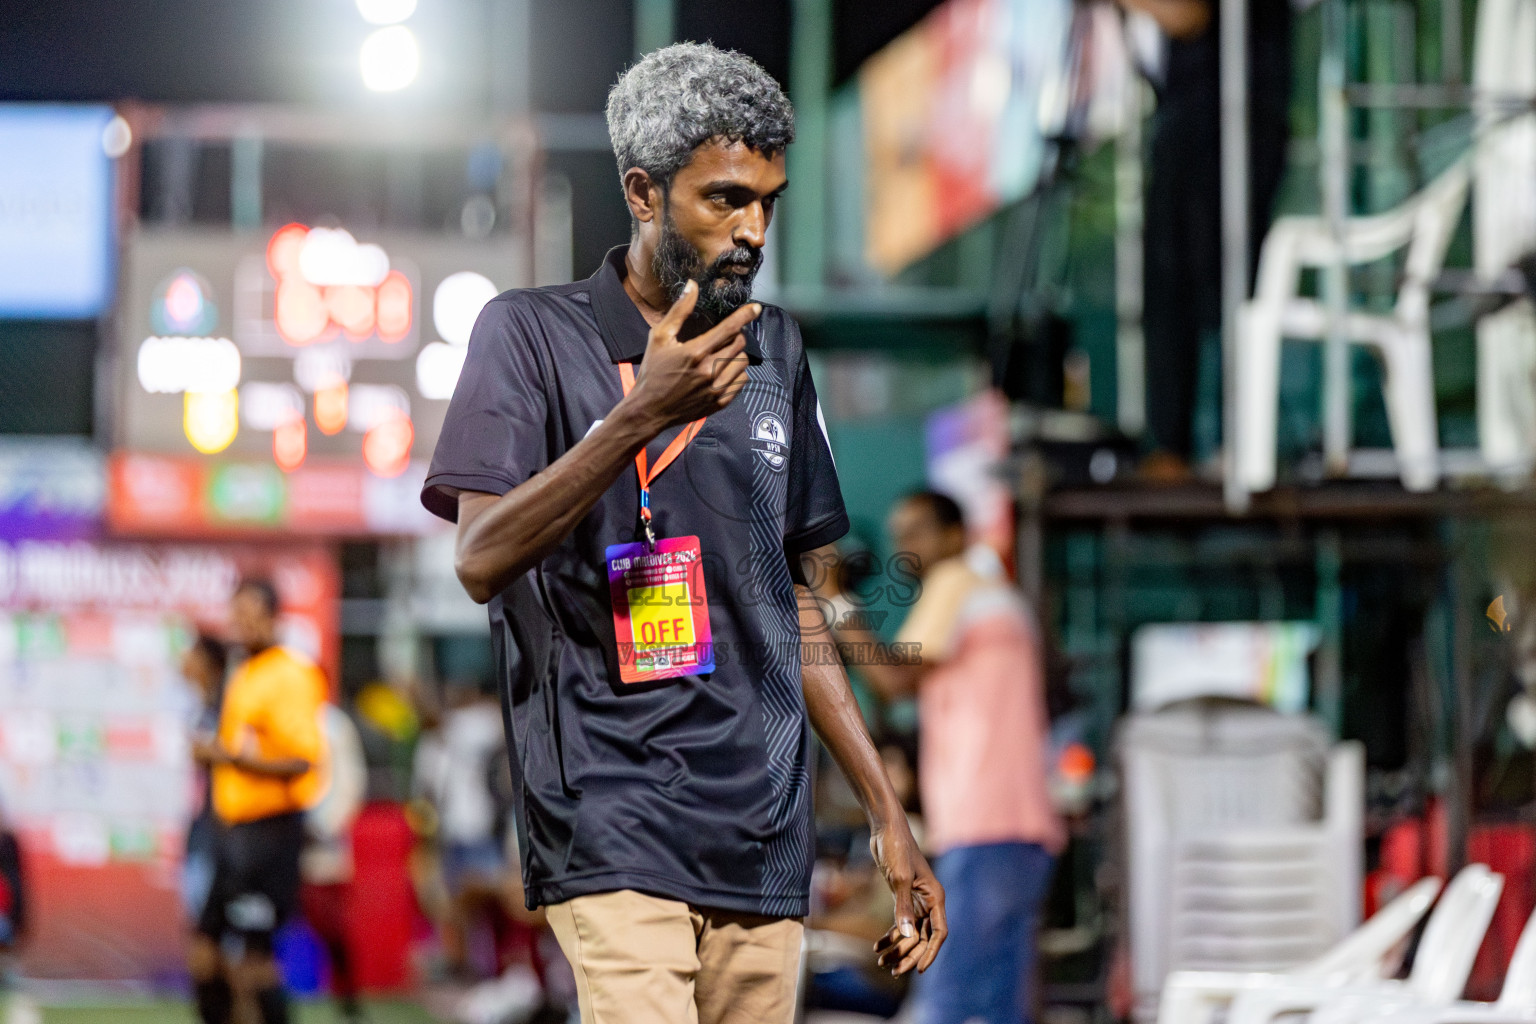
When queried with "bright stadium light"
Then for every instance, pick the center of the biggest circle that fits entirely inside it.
(438, 366)
(331, 406)
(266, 406)
(168, 366)
(368, 405)
(331, 256)
(116, 137)
(211, 419)
(390, 59)
(457, 303)
(387, 447)
(385, 12)
(290, 443)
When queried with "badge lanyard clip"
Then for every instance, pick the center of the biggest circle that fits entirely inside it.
(647, 474)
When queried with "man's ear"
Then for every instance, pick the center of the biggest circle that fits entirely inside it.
(642, 195)
(958, 541)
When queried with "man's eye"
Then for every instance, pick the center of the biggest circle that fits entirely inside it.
(719, 200)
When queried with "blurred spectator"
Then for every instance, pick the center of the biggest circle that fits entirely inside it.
(1183, 266)
(326, 863)
(970, 651)
(454, 774)
(388, 722)
(203, 665)
(13, 892)
(852, 910)
(463, 776)
(265, 764)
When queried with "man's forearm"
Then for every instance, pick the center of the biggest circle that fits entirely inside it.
(920, 927)
(892, 677)
(837, 720)
(502, 538)
(273, 767)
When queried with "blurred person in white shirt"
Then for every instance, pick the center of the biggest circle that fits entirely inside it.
(453, 772)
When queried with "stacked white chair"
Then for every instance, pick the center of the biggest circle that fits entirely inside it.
(1516, 1003)
(1194, 997)
(1351, 982)
(1504, 229)
(1441, 965)
(1243, 832)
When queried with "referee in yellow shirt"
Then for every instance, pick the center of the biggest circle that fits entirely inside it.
(267, 770)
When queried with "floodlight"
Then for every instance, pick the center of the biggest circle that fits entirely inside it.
(385, 12)
(390, 59)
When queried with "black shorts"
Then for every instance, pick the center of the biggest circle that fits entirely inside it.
(255, 881)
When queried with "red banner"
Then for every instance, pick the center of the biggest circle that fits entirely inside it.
(171, 496)
(94, 727)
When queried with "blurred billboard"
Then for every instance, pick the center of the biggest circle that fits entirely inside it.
(50, 488)
(962, 112)
(94, 727)
(192, 496)
(303, 347)
(966, 448)
(57, 237)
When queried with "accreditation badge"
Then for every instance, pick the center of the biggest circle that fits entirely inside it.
(660, 610)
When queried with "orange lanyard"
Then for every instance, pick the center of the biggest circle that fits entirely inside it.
(646, 473)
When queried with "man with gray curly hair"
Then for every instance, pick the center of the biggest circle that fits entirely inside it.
(665, 108)
(663, 661)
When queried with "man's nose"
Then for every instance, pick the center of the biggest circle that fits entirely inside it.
(752, 229)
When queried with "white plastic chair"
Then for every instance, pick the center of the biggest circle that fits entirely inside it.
(1504, 162)
(1192, 997)
(1503, 230)
(1440, 967)
(1424, 226)
(1516, 1003)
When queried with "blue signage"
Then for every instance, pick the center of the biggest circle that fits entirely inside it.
(57, 238)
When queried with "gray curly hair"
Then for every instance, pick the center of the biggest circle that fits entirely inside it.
(674, 99)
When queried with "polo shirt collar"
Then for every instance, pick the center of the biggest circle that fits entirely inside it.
(624, 330)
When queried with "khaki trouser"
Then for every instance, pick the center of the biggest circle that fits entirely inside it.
(641, 959)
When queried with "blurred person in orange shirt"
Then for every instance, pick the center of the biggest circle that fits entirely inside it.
(266, 761)
(970, 651)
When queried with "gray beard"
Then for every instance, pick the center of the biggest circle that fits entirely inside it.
(676, 262)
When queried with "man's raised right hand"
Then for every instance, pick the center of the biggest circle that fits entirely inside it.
(680, 381)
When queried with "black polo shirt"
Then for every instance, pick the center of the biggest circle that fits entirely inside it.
(697, 788)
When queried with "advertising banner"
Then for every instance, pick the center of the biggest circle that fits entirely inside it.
(53, 489)
(163, 496)
(966, 445)
(57, 236)
(956, 113)
(95, 775)
(1260, 661)
(308, 343)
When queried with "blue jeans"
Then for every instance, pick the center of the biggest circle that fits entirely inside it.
(481, 860)
(992, 901)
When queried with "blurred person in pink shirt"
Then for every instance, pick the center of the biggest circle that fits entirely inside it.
(970, 651)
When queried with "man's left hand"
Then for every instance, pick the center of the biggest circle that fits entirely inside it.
(920, 928)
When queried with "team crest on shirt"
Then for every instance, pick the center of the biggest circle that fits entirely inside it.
(770, 440)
